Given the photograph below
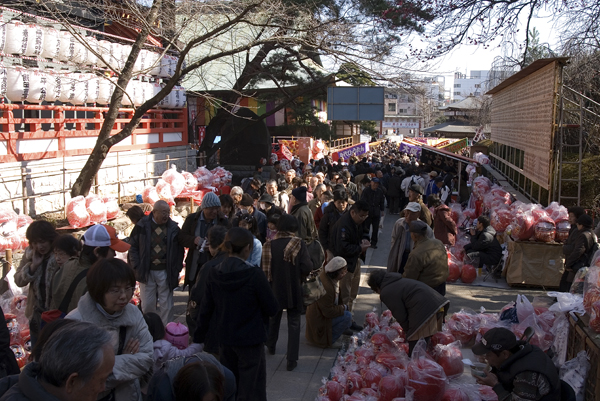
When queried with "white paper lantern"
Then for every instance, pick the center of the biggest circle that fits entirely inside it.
(104, 47)
(80, 52)
(81, 93)
(67, 46)
(17, 84)
(116, 55)
(153, 63)
(129, 95)
(147, 91)
(67, 87)
(37, 86)
(167, 66)
(52, 85)
(2, 35)
(35, 40)
(16, 38)
(91, 57)
(93, 88)
(125, 51)
(178, 97)
(51, 47)
(105, 89)
(3, 81)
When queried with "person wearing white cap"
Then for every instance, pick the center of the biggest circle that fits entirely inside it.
(99, 242)
(402, 244)
(157, 258)
(328, 318)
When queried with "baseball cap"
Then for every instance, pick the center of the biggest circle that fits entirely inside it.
(103, 235)
(496, 339)
(413, 207)
(418, 227)
(375, 180)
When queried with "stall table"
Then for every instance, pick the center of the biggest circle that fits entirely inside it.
(581, 338)
(531, 263)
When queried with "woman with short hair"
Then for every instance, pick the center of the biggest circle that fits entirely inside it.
(110, 284)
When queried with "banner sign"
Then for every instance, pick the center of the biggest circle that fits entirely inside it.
(457, 146)
(419, 139)
(355, 150)
(399, 124)
(410, 149)
(442, 143)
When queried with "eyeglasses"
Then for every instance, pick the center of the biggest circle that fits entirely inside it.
(119, 290)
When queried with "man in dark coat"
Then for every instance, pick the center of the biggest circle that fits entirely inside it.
(414, 304)
(581, 243)
(484, 244)
(247, 203)
(331, 214)
(157, 258)
(349, 239)
(375, 198)
(394, 191)
(8, 363)
(307, 231)
(520, 371)
(195, 231)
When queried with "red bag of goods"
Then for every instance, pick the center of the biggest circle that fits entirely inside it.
(454, 269)
(500, 194)
(523, 227)
(164, 190)
(372, 320)
(487, 393)
(427, 378)
(191, 183)
(20, 354)
(500, 218)
(77, 213)
(591, 288)
(557, 212)
(595, 316)
(541, 338)
(450, 358)
(366, 353)
(392, 359)
(335, 390)
(96, 209)
(455, 394)
(391, 387)
(562, 230)
(204, 177)
(396, 326)
(221, 176)
(481, 186)
(175, 180)
(23, 220)
(463, 327)
(112, 207)
(371, 377)
(545, 231)
(355, 382)
(470, 214)
(539, 214)
(468, 274)
(7, 215)
(457, 214)
(442, 337)
(149, 195)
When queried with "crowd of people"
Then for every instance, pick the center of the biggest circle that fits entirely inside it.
(248, 253)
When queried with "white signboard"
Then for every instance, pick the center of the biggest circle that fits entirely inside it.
(399, 124)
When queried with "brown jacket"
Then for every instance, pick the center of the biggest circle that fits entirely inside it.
(427, 263)
(444, 228)
(320, 313)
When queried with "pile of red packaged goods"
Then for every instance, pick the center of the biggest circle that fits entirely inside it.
(591, 292)
(521, 221)
(12, 230)
(173, 184)
(18, 326)
(81, 212)
(376, 366)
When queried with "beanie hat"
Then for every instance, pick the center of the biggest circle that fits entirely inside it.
(247, 200)
(266, 198)
(210, 200)
(177, 334)
(585, 220)
(300, 194)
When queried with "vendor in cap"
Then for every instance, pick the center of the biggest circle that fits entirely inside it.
(428, 261)
(415, 194)
(402, 243)
(416, 306)
(520, 371)
(328, 318)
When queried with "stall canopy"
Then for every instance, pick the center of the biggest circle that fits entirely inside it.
(440, 158)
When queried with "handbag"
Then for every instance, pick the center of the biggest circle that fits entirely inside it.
(317, 255)
(312, 287)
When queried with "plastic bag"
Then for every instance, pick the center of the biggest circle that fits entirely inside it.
(468, 274)
(557, 212)
(425, 376)
(524, 307)
(463, 325)
(392, 386)
(454, 269)
(523, 226)
(450, 358)
(595, 316)
(96, 209)
(149, 195)
(545, 230)
(204, 177)
(77, 213)
(578, 281)
(500, 218)
(112, 207)
(591, 288)
(562, 230)
(175, 180)
(566, 302)
(560, 331)
(191, 183)
(595, 259)
(574, 372)
(541, 338)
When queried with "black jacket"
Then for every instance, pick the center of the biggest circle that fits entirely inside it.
(287, 277)
(28, 388)
(485, 242)
(393, 189)
(8, 362)
(139, 253)
(241, 298)
(528, 359)
(375, 199)
(330, 217)
(581, 242)
(345, 238)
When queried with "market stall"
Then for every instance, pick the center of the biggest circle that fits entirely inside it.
(534, 263)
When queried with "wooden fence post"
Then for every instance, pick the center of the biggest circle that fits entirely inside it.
(24, 190)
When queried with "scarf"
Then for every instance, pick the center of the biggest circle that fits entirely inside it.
(289, 253)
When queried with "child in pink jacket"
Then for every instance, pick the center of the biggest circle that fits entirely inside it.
(170, 341)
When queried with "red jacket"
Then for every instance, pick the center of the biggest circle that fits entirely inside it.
(444, 228)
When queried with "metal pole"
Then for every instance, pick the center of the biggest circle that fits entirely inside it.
(96, 184)
(64, 171)
(459, 181)
(118, 181)
(168, 160)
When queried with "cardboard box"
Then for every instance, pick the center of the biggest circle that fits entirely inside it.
(534, 264)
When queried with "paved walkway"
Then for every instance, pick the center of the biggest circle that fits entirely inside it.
(314, 363)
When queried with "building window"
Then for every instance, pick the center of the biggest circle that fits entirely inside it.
(457, 85)
(391, 106)
(456, 93)
(478, 85)
(402, 110)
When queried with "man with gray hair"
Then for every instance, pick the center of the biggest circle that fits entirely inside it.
(157, 258)
(316, 202)
(280, 199)
(74, 366)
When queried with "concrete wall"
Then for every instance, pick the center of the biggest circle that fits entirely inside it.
(52, 175)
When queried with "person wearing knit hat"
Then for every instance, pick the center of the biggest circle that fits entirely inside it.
(247, 203)
(194, 234)
(581, 247)
(299, 209)
(328, 318)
